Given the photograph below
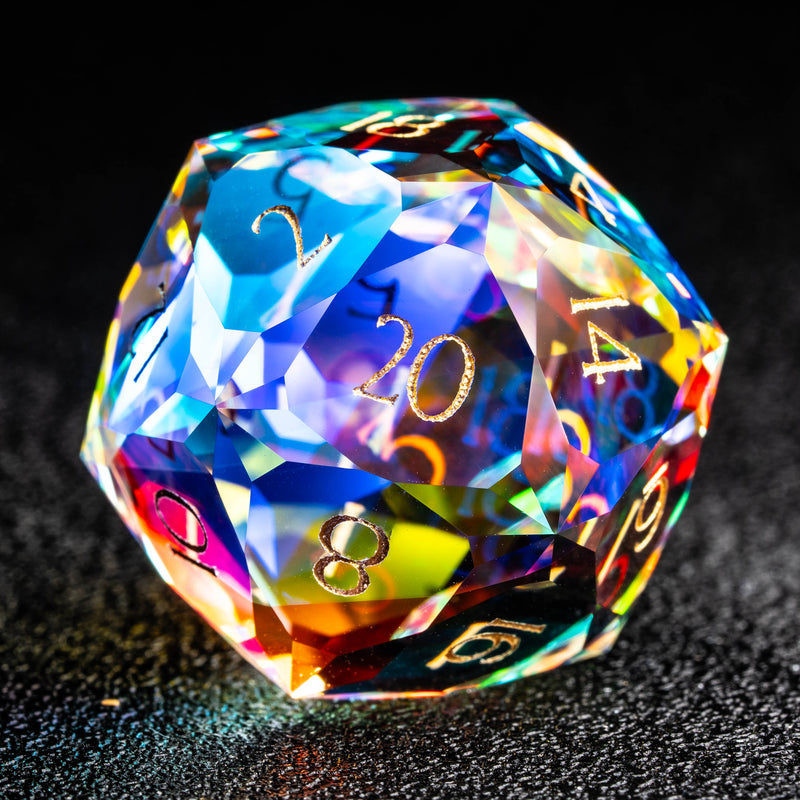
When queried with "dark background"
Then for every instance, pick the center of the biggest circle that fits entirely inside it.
(701, 696)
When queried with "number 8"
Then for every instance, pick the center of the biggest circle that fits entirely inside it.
(334, 556)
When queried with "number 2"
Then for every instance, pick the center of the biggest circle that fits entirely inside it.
(289, 215)
(408, 339)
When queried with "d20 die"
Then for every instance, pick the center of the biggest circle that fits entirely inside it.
(403, 397)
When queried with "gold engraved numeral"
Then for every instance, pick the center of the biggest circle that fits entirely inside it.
(597, 367)
(334, 556)
(360, 123)
(465, 384)
(377, 125)
(195, 537)
(408, 339)
(412, 384)
(593, 303)
(289, 215)
(419, 123)
(500, 645)
(580, 182)
(648, 525)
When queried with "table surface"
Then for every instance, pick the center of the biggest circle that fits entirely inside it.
(701, 696)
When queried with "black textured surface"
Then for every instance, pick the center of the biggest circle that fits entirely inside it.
(701, 696)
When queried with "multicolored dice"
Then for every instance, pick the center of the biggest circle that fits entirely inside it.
(403, 397)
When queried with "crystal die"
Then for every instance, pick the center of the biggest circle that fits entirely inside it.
(403, 397)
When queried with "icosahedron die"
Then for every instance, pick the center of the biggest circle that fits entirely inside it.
(403, 397)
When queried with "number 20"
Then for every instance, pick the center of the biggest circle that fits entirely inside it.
(413, 378)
